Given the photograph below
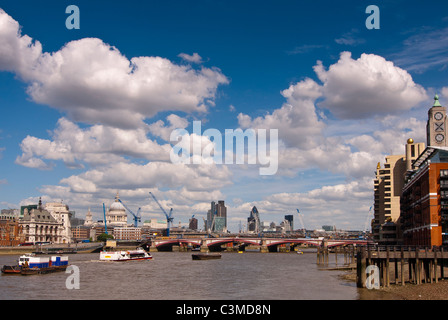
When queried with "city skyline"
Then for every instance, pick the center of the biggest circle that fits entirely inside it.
(88, 112)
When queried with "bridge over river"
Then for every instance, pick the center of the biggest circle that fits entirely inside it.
(265, 244)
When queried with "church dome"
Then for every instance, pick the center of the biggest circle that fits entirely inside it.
(116, 216)
(116, 206)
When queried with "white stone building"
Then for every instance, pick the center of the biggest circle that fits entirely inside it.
(61, 213)
(38, 225)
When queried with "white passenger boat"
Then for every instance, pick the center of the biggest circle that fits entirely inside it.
(130, 255)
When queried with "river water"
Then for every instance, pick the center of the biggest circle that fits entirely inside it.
(175, 276)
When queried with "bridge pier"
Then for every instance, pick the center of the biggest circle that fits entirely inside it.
(264, 247)
(204, 246)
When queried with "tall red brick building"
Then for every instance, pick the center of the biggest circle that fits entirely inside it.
(424, 199)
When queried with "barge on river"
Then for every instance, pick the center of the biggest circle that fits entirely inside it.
(29, 264)
(206, 256)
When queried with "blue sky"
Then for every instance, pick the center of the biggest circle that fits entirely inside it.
(342, 97)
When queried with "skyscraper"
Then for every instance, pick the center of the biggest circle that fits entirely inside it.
(290, 219)
(388, 186)
(253, 222)
(193, 223)
(217, 217)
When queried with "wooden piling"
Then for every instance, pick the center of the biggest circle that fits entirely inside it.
(402, 265)
(442, 264)
(436, 276)
(413, 264)
(386, 272)
(361, 269)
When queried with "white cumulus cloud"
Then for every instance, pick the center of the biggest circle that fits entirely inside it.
(94, 145)
(94, 82)
(367, 86)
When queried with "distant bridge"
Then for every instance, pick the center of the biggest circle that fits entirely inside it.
(266, 244)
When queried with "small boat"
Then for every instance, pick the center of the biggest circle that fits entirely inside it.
(11, 269)
(132, 255)
(30, 264)
(299, 252)
(206, 256)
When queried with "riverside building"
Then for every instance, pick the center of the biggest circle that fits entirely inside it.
(424, 202)
(62, 215)
(388, 185)
(38, 225)
(127, 233)
(10, 232)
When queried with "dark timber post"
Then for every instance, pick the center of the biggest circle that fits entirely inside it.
(387, 267)
(436, 275)
(411, 267)
(395, 265)
(417, 267)
(361, 269)
(442, 262)
(402, 265)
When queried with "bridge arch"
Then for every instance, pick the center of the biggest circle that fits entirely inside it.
(167, 245)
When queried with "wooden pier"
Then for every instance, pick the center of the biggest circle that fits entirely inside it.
(400, 265)
(323, 254)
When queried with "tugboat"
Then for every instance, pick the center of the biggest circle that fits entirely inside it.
(11, 269)
(30, 264)
(120, 256)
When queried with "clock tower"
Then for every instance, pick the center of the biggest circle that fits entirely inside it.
(436, 131)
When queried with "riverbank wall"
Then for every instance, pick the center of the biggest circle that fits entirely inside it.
(53, 248)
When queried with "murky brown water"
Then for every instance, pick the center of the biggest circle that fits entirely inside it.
(175, 276)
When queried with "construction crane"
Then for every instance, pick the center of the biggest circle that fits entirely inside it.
(205, 224)
(105, 223)
(301, 221)
(169, 218)
(366, 224)
(137, 217)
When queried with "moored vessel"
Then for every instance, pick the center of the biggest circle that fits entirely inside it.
(30, 264)
(206, 256)
(11, 269)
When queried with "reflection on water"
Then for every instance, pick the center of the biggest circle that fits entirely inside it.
(175, 276)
